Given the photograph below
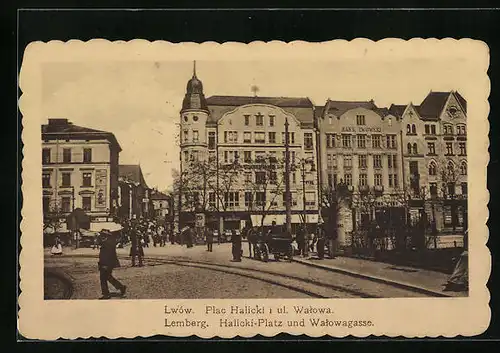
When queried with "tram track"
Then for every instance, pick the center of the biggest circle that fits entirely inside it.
(312, 287)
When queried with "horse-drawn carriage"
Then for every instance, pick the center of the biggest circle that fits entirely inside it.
(279, 245)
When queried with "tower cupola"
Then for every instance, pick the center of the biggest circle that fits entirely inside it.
(194, 98)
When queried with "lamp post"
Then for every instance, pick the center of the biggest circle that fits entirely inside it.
(287, 180)
(303, 163)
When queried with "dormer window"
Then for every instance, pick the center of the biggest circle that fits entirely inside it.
(185, 118)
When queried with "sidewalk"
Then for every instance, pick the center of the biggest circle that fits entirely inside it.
(431, 282)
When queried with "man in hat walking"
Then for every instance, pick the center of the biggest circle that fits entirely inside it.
(108, 260)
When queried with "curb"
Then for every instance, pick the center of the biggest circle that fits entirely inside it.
(399, 284)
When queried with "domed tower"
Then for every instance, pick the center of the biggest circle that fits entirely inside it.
(194, 114)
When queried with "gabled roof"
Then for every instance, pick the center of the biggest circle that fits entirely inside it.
(383, 112)
(462, 101)
(397, 109)
(277, 101)
(318, 111)
(301, 108)
(132, 172)
(432, 106)
(158, 195)
(62, 129)
(338, 108)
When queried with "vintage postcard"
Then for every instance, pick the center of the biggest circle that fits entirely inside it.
(229, 190)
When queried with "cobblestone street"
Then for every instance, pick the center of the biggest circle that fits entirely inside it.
(175, 271)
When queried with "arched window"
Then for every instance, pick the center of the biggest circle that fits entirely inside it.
(451, 169)
(409, 148)
(415, 149)
(413, 129)
(432, 168)
(463, 168)
(408, 129)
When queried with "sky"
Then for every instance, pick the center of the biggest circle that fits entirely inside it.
(139, 100)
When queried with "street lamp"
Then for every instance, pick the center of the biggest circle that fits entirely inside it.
(287, 180)
(303, 162)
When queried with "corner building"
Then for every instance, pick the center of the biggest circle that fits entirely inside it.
(360, 146)
(247, 130)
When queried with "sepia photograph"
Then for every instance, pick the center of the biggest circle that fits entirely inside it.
(180, 174)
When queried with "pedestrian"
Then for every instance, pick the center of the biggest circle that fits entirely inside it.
(189, 236)
(301, 240)
(251, 238)
(136, 249)
(209, 235)
(57, 248)
(320, 242)
(459, 279)
(108, 260)
(172, 238)
(236, 246)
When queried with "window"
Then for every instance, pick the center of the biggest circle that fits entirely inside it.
(451, 189)
(211, 156)
(272, 157)
(185, 134)
(332, 180)
(377, 161)
(413, 129)
(433, 129)
(232, 199)
(46, 155)
(348, 179)
(461, 130)
(46, 204)
(247, 120)
(211, 140)
(260, 198)
(346, 141)
(260, 137)
(308, 141)
(259, 119)
(378, 179)
(433, 189)
(86, 203)
(247, 137)
(449, 148)
(273, 178)
(196, 156)
(46, 180)
(361, 141)
(330, 140)
(431, 146)
(248, 199)
(391, 180)
(392, 161)
(195, 136)
(331, 161)
(260, 177)
(86, 179)
(363, 179)
(389, 122)
(310, 199)
(229, 156)
(448, 129)
(66, 204)
(395, 180)
(463, 149)
(248, 177)
(87, 155)
(464, 188)
(66, 155)
(294, 178)
(211, 199)
(291, 137)
(363, 161)
(427, 129)
(463, 168)
(66, 179)
(391, 141)
(408, 147)
(347, 161)
(415, 148)
(195, 118)
(360, 120)
(376, 141)
(432, 168)
(260, 156)
(272, 137)
(271, 120)
(247, 156)
(408, 129)
(230, 136)
(186, 156)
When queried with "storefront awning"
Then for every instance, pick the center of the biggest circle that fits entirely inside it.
(310, 218)
(268, 220)
(99, 226)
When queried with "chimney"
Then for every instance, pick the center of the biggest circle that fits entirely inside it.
(58, 122)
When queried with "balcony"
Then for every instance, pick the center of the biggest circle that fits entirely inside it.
(378, 189)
